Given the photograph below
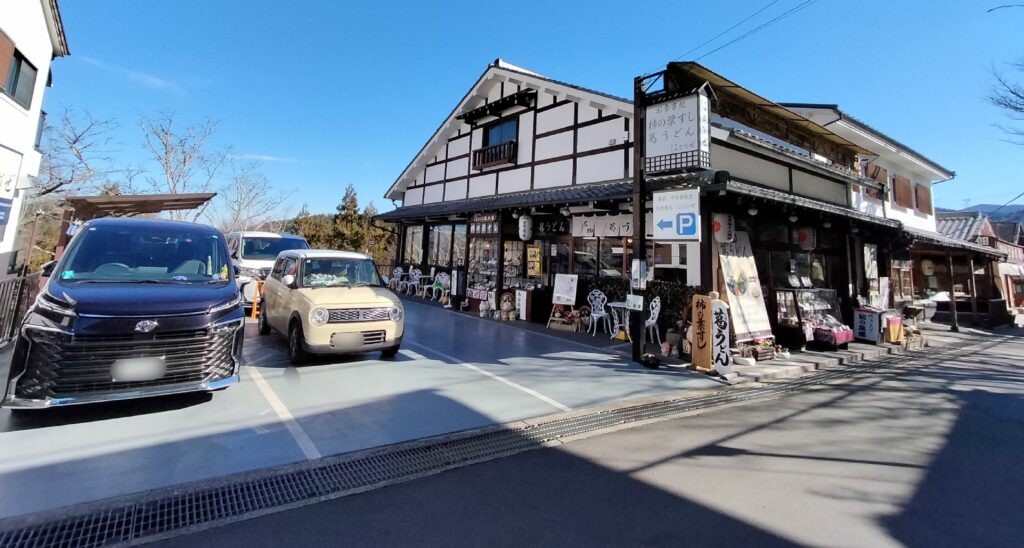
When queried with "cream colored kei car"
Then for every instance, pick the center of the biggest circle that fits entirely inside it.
(330, 302)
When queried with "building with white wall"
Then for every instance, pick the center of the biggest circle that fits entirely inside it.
(31, 36)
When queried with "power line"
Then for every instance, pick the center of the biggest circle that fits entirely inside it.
(1014, 199)
(784, 15)
(719, 35)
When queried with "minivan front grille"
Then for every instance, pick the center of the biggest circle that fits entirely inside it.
(347, 315)
(374, 337)
(64, 365)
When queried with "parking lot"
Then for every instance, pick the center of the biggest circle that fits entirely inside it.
(454, 372)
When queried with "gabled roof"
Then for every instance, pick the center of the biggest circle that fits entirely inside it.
(1009, 231)
(55, 27)
(497, 72)
(961, 225)
(876, 134)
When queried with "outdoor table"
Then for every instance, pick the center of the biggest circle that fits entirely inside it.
(619, 314)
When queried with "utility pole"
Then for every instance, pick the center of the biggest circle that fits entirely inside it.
(636, 319)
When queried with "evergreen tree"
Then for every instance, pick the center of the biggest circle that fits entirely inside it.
(381, 237)
(350, 227)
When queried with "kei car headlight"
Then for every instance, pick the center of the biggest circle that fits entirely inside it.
(319, 316)
(395, 313)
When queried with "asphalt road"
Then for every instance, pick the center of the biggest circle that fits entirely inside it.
(454, 373)
(926, 453)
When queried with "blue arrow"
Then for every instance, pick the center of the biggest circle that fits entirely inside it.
(663, 224)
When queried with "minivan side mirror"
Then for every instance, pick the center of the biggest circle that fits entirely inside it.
(288, 280)
(47, 269)
(237, 269)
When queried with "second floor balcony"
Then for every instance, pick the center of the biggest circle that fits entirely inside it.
(495, 155)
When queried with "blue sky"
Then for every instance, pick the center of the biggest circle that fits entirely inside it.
(332, 93)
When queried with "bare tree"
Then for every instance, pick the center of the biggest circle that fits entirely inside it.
(185, 157)
(76, 154)
(1008, 96)
(248, 201)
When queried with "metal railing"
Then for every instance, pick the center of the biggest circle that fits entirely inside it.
(16, 294)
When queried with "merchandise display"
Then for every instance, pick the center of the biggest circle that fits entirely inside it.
(815, 314)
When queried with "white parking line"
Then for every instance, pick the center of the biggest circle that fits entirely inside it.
(293, 427)
(498, 378)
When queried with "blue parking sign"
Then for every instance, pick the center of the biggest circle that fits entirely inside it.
(686, 224)
(5, 210)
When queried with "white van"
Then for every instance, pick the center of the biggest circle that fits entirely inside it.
(254, 253)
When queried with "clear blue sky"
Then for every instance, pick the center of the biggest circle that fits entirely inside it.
(347, 92)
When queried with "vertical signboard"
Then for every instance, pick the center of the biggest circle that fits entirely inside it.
(5, 210)
(564, 291)
(743, 289)
(677, 134)
(720, 356)
(700, 346)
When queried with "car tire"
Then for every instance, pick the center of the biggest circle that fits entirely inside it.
(296, 352)
(262, 327)
(390, 352)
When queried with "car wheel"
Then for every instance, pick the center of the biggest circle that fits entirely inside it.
(296, 353)
(390, 352)
(262, 327)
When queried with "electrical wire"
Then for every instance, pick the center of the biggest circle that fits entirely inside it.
(784, 15)
(1014, 199)
(719, 35)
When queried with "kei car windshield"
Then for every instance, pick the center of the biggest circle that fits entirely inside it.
(143, 254)
(339, 272)
(266, 249)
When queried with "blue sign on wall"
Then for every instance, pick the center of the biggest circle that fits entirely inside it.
(5, 210)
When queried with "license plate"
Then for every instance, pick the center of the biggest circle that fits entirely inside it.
(138, 369)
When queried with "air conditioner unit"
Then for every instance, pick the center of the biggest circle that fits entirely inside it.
(983, 240)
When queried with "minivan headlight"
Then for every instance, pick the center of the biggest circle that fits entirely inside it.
(235, 301)
(319, 316)
(52, 304)
(395, 313)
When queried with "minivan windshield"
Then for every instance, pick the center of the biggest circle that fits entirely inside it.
(145, 254)
(266, 249)
(339, 272)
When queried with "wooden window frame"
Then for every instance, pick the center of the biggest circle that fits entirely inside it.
(927, 208)
(903, 192)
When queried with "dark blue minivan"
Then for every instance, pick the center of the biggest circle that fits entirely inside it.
(135, 308)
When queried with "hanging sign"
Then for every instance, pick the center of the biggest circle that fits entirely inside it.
(552, 225)
(583, 227)
(724, 227)
(720, 356)
(601, 226)
(525, 228)
(5, 210)
(743, 289)
(533, 260)
(807, 238)
(700, 346)
(635, 302)
(521, 304)
(565, 289)
(676, 215)
(678, 134)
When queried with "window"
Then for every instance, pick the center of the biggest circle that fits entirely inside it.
(585, 257)
(267, 249)
(459, 247)
(903, 192)
(339, 272)
(21, 80)
(611, 257)
(413, 252)
(439, 248)
(501, 132)
(40, 128)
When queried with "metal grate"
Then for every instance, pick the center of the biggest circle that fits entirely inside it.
(374, 337)
(343, 315)
(202, 505)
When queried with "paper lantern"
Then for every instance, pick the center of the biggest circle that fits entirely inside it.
(807, 238)
(525, 227)
(724, 227)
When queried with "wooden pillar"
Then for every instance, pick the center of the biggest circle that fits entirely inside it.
(974, 294)
(636, 320)
(400, 246)
(499, 285)
(954, 327)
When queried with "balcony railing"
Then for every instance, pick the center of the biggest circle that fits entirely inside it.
(495, 155)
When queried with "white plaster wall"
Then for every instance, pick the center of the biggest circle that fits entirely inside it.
(514, 180)
(555, 118)
(587, 113)
(413, 197)
(525, 139)
(24, 22)
(553, 174)
(599, 167)
(458, 168)
(459, 146)
(747, 167)
(494, 93)
(559, 144)
(482, 185)
(808, 185)
(599, 135)
(478, 137)
(861, 202)
(455, 190)
(435, 173)
(433, 193)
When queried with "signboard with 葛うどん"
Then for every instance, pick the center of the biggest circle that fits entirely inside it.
(677, 134)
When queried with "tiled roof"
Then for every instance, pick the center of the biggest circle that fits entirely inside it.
(961, 225)
(564, 195)
(1008, 231)
(955, 243)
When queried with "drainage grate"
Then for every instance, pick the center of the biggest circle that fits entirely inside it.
(165, 512)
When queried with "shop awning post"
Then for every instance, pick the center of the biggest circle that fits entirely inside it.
(954, 327)
(636, 319)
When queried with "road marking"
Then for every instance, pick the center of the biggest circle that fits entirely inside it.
(293, 427)
(498, 378)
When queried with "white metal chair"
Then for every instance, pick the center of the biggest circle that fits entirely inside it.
(396, 278)
(412, 285)
(597, 300)
(651, 324)
(442, 284)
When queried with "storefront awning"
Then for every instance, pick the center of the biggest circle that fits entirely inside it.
(91, 207)
(1011, 269)
(615, 190)
(945, 241)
